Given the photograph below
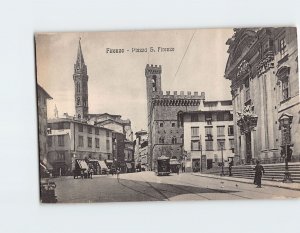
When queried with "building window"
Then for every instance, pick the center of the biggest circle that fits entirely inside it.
(231, 143)
(90, 130)
(195, 131)
(174, 140)
(194, 117)
(208, 118)
(61, 155)
(78, 87)
(221, 144)
(61, 140)
(78, 101)
(285, 88)
(49, 141)
(173, 124)
(80, 128)
(90, 142)
(195, 145)
(230, 130)
(208, 132)
(97, 131)
(282, 47)
(97, 142)
(80, 141)
(161, 140)
(209, 145)
(220, 130)
(107, 133)
(180, 119)
(161, 124)
(107, 145)
(220, 116)
(247, 91)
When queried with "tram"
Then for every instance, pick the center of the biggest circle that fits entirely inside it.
(163, 167)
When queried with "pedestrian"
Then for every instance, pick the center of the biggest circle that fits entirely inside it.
(230, 168)
(259, 170)
(81, 174)
(183, 168)
(91, 172)
(118, 173)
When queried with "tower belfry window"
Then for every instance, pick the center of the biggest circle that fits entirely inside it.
(78, 101)
(78, 87)
(154, 83)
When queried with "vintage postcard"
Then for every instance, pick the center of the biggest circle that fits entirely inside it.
(168, 115)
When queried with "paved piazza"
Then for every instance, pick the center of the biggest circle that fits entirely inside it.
(146, 186)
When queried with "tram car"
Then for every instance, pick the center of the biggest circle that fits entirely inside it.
(163, 167)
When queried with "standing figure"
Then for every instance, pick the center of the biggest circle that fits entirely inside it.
(259, 170)
(91, 171)
(118, 173)
(230, 168)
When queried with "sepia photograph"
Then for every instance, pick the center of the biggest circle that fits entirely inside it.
(168, 115)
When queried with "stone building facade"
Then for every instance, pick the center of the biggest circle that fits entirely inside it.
(263, 69)
(42, 97)
(208, 135)
(165, 123)
(70, 139)
(141, 149)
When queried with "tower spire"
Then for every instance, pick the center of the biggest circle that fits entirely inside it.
(80, 60)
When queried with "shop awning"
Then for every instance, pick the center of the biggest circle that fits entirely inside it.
(109, 161)
(43, 166)
(46, 166)
(82, 164)
(128, 165)
(102, 164)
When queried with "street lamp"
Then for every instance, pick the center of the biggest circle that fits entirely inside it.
(285, 121)
(222, 172)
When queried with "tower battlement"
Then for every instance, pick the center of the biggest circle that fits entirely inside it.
(152, 69)
(180, 95)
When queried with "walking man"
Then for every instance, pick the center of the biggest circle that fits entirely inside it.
(259, 170)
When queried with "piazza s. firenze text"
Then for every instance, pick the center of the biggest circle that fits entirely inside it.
(139, 50)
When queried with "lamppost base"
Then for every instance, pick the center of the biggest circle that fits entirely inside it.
(287, 177)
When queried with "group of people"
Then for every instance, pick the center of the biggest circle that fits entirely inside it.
(88, 173)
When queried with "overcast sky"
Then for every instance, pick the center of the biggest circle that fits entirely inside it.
(117, 83)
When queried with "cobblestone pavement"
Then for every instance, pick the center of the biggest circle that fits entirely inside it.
(146, 186)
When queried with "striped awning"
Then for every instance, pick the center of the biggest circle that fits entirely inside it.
(82, 164)
(102, 164)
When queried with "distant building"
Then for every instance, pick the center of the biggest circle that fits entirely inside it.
(42, 97)
(122, 138)
(70, 139)
(165, 123)
(141, 155)
(208, 134)
(263, 69)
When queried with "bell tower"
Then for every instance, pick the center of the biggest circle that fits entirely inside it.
(80, 78)
(153, 82)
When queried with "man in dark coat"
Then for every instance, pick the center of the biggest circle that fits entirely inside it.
(259, 170)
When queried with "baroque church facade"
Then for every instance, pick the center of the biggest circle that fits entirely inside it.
(165, 117)
(263, 69)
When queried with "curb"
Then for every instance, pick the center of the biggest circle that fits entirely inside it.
(245, 182)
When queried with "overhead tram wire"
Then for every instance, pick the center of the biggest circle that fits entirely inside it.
(185, 53)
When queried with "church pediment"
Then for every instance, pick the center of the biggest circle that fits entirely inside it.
(239, 45)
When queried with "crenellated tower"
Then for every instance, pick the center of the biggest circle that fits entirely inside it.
(80, 78)
(153, 83)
